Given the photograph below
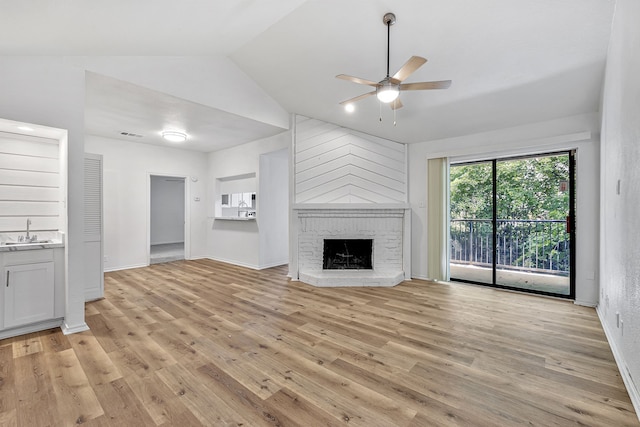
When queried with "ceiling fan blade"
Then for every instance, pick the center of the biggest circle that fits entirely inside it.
(396, 104)
(443, 84)
(358, 98)
(408, 68)
(357, 80)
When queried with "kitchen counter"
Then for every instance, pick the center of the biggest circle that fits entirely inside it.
(30, 246)
(236, 218)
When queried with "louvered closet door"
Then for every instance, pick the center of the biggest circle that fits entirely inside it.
(93, 270)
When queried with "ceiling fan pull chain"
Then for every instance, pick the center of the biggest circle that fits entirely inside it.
(394, 112)
(380, 106)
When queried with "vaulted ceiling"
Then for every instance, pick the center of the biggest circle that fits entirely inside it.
(511, 62)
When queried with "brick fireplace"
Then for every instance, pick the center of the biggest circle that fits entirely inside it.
(387, 227)
(346, 185)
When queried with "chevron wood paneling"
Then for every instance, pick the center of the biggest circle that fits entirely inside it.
(336, 165)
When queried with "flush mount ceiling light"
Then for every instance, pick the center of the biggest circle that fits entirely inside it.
(174, 136)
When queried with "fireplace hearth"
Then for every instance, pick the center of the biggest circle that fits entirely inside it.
(347, 254)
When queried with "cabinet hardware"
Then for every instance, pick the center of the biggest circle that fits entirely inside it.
(8, 271)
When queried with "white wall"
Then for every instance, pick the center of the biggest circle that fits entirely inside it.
(238, 242)
(167, 210)
(46, 91)
(620, 228)
(274, 208)
(566, 133)
(30, 179)
(127, 168)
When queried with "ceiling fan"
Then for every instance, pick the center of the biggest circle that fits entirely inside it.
(388, 89)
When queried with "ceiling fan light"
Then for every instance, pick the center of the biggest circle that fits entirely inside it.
(174, 136)
(387, 92)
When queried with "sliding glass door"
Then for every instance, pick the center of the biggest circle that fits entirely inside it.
(471, 229)
(512, 223)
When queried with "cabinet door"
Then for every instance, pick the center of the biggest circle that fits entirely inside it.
(28, 293)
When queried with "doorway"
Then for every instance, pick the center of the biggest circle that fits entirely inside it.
(512, 223)
(166, 219)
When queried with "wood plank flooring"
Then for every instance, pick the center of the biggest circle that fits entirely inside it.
(193, 343)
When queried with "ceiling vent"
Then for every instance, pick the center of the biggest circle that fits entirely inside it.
(133, 135)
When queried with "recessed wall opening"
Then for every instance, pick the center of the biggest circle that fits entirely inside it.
(347, 254)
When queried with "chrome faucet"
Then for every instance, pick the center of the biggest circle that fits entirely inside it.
(28, 224)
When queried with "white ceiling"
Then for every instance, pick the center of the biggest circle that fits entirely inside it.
(113, 106)
(140, 27)
(511, 62)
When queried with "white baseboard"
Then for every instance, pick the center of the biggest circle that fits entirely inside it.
(125, 267)
(586, 303)
(239, 264)
(27, 329)
(274, 264)
(251, 266)
(68, 330)
(634, 393)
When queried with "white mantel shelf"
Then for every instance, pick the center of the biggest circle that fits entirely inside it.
(349, 206)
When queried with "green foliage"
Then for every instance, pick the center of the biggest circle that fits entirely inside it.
(526, 189)
(471, 189)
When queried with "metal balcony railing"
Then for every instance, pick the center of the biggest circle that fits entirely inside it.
(526, 245)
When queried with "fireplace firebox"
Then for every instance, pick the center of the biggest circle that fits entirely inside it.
(348, 254)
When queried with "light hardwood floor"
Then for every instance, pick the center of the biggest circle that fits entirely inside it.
(192, 343)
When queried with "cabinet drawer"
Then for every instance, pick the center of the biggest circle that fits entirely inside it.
(28, 257)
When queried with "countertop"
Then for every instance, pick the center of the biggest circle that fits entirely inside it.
(236, 218)
(30, 246)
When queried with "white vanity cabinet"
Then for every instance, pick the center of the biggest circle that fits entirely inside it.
(28, 293)
(32, 290)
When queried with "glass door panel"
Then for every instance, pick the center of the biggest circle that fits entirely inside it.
(471, 229)
(532, 239)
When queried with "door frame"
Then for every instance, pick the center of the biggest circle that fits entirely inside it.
(187, 213)
(571, 222)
